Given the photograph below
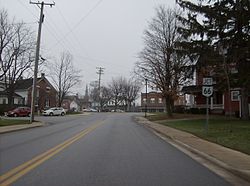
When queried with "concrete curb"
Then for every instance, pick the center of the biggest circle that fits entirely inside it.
(13, 128)
(244, 174)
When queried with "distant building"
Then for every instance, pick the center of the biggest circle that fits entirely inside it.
(156, 103)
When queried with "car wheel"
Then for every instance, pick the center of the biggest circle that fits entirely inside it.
(51, 114)
(62, 114)
(15, 115)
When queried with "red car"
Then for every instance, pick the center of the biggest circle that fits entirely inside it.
(19, 111)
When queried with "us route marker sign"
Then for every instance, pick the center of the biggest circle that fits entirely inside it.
(207, 88)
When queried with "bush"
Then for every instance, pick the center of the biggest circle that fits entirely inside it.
(198, 110)
(179, 109)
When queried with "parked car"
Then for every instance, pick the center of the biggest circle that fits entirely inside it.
(55, 111)
(89, 110)
(19, 111)
(117, 110)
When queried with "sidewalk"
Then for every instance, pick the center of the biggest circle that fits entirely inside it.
(20, 127)
(235, 162)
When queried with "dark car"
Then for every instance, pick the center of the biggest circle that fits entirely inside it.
(19, 111)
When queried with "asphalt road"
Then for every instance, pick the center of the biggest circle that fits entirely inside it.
(102, 149)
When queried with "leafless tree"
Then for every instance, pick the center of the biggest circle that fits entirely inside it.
(124, 92)
(17, 46)
(131, 90)
(116, 87)
(160, 62)
(105, 97)
(64, 75)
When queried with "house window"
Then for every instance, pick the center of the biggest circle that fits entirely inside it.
(4, 101)
(47, 103)
(235, 95)
(144, 100)
(159, 100)
(152, 100)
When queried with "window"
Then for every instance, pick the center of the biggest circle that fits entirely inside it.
(4, 101)
(159, 100)
(152, 100)
(47, 103)
(235, 95)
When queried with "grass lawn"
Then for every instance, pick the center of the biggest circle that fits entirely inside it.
(8, 122)
(234, 133)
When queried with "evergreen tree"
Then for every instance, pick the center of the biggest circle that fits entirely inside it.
(217, 33)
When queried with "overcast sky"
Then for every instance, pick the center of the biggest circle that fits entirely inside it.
(98, 33)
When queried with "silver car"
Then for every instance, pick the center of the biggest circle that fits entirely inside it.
(55, 111)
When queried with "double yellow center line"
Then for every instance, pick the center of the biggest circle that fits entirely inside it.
(16, 173)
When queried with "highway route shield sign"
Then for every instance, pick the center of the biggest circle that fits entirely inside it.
(207, 91)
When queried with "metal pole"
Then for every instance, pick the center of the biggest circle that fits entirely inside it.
(207, 115)
(33, 97)
(146, 104)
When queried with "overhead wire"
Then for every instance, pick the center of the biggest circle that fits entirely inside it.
(68, 26)
(80, 21)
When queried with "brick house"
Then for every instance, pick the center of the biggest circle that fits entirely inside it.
(220, 101)
(46, 93)
(156, 103)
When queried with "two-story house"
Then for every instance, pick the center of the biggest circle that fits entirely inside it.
(46, 93)
(221, 101)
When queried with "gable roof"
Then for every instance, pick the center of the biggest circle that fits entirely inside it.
(5, 94)
(24, 84)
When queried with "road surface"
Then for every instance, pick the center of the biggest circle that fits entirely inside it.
(101, 149)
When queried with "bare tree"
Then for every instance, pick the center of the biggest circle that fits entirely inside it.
(17, 45)
(131, 90)
(159, 61)
(64, 76)
(116, 87)
(105, 97)
(124, 92)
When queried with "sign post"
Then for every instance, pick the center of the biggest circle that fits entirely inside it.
(207, 91)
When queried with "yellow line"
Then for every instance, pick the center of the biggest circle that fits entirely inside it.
(14, 174)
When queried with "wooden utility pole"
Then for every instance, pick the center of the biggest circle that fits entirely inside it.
(33, 96)
(99, 72)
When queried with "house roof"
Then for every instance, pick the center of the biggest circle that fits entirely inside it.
(5, 94)
(72, 98)
(24, 83)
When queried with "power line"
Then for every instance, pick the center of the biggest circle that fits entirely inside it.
(80, 21)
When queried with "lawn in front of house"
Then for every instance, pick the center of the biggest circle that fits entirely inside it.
(9, 122)
(232, 133)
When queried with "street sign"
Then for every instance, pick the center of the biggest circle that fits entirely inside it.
(207, 91)
(207, 81)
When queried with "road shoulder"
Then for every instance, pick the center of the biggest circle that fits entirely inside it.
(233, 161)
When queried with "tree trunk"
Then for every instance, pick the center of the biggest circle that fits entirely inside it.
(168, 106)
(244, 104)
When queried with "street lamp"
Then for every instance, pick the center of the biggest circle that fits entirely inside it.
(146, 106)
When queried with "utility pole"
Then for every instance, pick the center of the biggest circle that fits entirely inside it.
(99, 72)
(33, 96)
